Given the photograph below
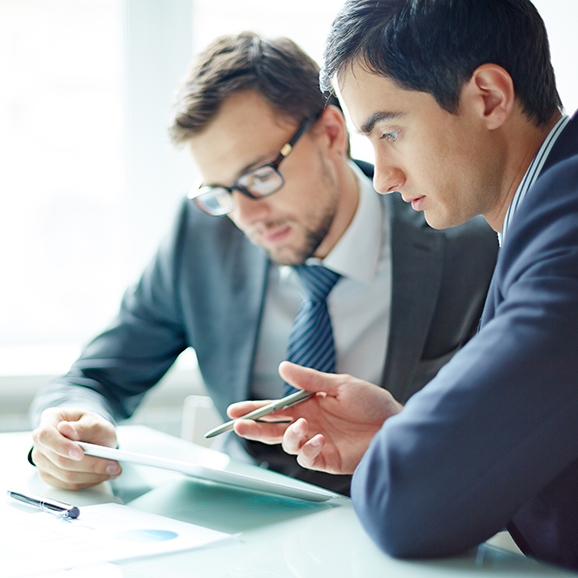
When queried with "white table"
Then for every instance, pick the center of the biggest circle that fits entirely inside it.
(275, 537)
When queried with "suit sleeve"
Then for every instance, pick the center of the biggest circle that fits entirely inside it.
(117, 368)
(500, 421)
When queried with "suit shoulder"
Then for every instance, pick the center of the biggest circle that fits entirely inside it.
(555, 186)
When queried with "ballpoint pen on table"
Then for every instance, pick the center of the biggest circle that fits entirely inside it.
(42, 503)
(283, 403)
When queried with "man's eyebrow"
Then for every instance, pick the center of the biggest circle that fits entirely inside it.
(247, 168)
(254, 165)
(259, 162)
(376, 117)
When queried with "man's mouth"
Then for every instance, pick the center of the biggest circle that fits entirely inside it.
(417, 203)
(272, 235)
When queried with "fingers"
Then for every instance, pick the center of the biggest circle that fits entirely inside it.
(296, 442)
(89, 427)
(241, 408)
(311, 452)
(60, 461)
(48, 439)
(268, 433)
(72, 475)
(295, 437)
(309, 379)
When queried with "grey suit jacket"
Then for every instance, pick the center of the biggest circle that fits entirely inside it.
(205, 289)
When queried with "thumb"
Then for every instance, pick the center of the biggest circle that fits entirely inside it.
(70, 430)
(308, 379)
(89, 428)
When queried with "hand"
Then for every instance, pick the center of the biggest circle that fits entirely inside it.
(332, 430)
(61, 462)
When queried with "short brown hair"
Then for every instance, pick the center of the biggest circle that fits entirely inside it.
(277, 69)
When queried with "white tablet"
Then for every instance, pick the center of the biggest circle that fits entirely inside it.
(213, 474)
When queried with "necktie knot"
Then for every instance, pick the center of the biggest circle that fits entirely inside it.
(316, 281)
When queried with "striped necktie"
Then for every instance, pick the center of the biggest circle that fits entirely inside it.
(311, 340)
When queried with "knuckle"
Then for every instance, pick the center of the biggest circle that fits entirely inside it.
(40, 436)
(60, 461)
(68, 476)
(44, 477)
(37, 456)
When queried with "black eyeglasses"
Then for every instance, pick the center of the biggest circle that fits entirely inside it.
(260, 182)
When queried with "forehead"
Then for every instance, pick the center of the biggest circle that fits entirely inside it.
(246, 131)
(371, 99)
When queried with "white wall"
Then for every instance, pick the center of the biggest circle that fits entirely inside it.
(561, 17)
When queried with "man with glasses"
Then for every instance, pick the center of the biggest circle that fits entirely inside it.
(256, 184)
(274, 159)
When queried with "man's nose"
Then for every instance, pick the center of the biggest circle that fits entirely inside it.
(387, 178)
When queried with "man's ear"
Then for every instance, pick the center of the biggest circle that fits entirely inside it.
(331, 125)
(490, 91)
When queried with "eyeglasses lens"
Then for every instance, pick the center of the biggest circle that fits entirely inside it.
(262, 181)
(216, 201)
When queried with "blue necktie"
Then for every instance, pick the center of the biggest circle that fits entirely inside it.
(311, 340)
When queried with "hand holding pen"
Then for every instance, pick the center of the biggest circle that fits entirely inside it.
(267, 409)
(332, 431)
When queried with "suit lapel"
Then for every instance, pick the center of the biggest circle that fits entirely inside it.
(248, 274)
(417, 255)
(492, 301)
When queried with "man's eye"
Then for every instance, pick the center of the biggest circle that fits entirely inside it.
(390, 136)
(264, 176)
(259, 176)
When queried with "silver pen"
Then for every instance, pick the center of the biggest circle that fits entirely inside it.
(53, 506)
(283, 403)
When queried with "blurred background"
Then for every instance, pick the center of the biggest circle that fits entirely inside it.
(88, 181)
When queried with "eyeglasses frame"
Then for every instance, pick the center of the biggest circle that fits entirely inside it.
(286, 149)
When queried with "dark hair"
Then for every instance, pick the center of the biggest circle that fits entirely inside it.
(277, 69)
(434, 46)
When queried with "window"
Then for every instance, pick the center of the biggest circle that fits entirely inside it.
(61, 127)
(89, 182)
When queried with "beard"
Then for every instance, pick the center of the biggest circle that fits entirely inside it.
(309, 233)
(309, 239)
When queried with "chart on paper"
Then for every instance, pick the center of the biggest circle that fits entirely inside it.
(33, 542)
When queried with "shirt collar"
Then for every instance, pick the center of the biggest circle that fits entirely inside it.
(356, 254)
(532, 174)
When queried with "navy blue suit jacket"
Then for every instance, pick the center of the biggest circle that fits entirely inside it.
(493, 439)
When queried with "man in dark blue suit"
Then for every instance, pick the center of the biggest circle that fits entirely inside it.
(459, 101)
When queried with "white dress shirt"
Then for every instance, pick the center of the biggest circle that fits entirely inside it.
(359, 304)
